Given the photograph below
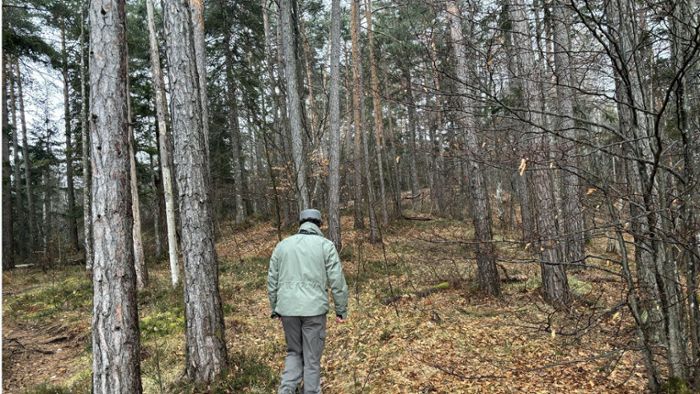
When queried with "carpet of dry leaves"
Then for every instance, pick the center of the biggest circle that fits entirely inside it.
(448, 341)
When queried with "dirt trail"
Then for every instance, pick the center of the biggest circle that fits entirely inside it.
(39, 355)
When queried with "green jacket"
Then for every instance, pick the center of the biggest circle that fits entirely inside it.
(301, 268)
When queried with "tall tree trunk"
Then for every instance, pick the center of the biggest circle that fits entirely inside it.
(164, 145)
(16, 183)
(334, 233)
(293, 102)
(7, 244)
(85, 140)
(139, 259)
(27, 162)
(206, 356)
(573, 224)
(156, 208)
(554, 280)
(487, 275)
(238, 159)
(197, 15)
(357, 116)
(115, 328)
(72, 222)
(378, 118)
(360, 128)
(412, 129)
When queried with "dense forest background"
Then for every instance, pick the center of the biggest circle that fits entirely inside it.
(568, 131)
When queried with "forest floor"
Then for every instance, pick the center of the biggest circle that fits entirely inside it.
(416, 323)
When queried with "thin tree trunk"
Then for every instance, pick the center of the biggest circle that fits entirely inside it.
(238, 159)
(156, 211)
(554, 280)
(206, 356)
(139, 259)
(357, 117)
(72, 222)
(487, 275)
(378, 118)
(293, 103)
(573, 224)
(16, 183)
(360, 129)
(115, 328)
(412, 149)
(27, 162)
(7, 244)
(164, 144)
(85, 140)
(334, 232)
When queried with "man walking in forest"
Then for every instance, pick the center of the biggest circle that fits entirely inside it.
(301, 268)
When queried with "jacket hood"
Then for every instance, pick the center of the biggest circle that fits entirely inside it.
(311, 228)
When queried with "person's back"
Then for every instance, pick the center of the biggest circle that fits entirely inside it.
(301, 268)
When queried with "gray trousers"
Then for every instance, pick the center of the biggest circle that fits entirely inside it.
(305, 339)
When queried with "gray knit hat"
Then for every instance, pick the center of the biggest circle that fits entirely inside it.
(310, 214)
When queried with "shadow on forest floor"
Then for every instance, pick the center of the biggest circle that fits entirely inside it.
(399, 337)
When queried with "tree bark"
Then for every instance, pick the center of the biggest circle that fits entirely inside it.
(238, 159)
(294, 103)
(197, 15)
(156, 208)
(377, 107)
(357, 116)
(555, 284)
(164, 145)
(206, 357)
(334, 232)
(487, 275)
(85, 140)
(115, 338)
(16, 183)
(72, 222)
(573, 223)
(7, 244)
(412, 128)
(139, 259)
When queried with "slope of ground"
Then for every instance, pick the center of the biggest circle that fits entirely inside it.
(416, 324)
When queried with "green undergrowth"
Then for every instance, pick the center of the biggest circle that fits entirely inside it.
(67, 294)
(247, 373)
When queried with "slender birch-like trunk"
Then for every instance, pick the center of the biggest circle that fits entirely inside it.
(164, 145)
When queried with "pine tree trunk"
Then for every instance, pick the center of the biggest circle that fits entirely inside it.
(294, 103)
(164, 146)
(412, 128)
(115, 328)
(356, 115)
(378, 118)
(85, 139)
(206, 357)
(71, 217)
(27, 162)
(7, 244)
(573, 224)
(156, 208)
(334, 233)
(16, 183)
(197, 15)
(139, 259)
(554, 280)
(487, 275)
(238, 159)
